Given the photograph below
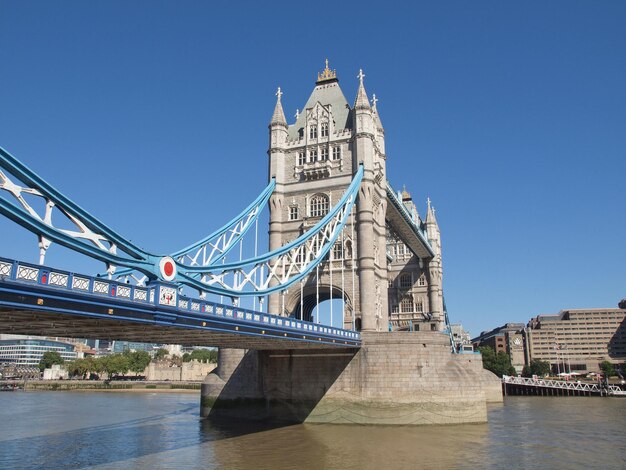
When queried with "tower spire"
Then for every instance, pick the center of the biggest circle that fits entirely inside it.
(279, 115)
(361, 102)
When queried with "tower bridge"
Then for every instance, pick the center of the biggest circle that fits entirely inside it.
(337, 230)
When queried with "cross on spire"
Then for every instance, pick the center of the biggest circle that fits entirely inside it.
(297, 114)
(374, 100)
(361, 76)
(279, 93)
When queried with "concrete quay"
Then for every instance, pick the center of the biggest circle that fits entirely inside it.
(396, 378)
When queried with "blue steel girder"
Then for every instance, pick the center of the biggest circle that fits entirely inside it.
(283, 267)
(214, 247)
(37, 299)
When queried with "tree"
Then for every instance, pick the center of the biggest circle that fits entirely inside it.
(139, 360)
(607, 369)
(48, 359)
(115, 364)
(201, 355)
(536, 367)
(161, 353)
(499, 364)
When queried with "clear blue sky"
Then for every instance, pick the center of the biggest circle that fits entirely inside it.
(510, 116)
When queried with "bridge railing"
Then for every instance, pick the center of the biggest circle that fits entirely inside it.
(161, 295)
(560, 384)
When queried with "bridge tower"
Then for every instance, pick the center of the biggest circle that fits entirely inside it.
(313, 160)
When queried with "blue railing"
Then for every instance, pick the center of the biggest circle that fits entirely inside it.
(159, 295)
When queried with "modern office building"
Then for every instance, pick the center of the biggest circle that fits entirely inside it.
(28, 352)
(578, 340)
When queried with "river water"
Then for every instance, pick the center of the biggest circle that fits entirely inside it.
(162, 430)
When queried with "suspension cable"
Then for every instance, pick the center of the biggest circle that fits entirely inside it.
(317, 292)
(256, 246)
(353, 254)
(330, 269)
(343, 285)
(301, 300)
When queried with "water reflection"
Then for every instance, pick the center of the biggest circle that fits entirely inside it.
(122, 430)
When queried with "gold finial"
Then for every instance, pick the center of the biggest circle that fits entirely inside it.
(327, 74)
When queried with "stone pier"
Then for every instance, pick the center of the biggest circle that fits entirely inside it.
(395, 378)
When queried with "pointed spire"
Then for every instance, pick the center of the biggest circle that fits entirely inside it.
(279, 115)
(430, 214)
(361, 102)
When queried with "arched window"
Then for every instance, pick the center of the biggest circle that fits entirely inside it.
(420, 306)
(348, 250)
(313, 131)
(318, 206)
(422, 280)
(406, 280)
(324, 129)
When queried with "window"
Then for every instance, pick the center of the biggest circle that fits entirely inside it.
(338, 251)
(318, 206)
(406, 304)
(420, 306)
(324, 130)
(313, 131)
(312, 156)
(394, 308)
(301, 159)
(293, 213)
(324, 154)
(406, 281)
(422, 280)
(336, 153)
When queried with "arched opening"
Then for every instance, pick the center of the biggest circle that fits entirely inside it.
(309, 310)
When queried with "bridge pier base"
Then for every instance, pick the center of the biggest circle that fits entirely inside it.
(395, 378)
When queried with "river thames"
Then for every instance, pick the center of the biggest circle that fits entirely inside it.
(163, 430)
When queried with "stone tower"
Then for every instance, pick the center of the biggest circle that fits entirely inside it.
(313, 161)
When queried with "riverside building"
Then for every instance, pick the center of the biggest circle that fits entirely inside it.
(578, 340)
(28, 352)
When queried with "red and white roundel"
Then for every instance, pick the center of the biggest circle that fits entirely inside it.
(168, 268)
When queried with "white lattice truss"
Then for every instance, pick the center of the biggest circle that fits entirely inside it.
(279, 272)
(82, 232)
(559, 384)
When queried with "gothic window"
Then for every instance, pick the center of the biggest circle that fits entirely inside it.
(293, 213)
(422, 280)
(324, 130)
(337, 251)
(318, 206)
(324, 154)
(420, 306)
(336, 153)
(394, 308)
(406, 304)
(301, 159)
(406, 281)
(312, 156)
(313, 131)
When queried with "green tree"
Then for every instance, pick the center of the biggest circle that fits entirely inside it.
(48, 359)
(161, 353)
(607, 368)
(536, 367)
(201, 355)
(139, 360)
(499, 364)
(115, 364)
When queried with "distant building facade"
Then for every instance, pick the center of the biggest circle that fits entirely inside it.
(578, 340)
(575, 340)
(509, 339)
(28, 352)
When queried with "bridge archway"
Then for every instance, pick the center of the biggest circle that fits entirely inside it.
(294, 307)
